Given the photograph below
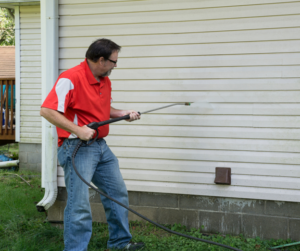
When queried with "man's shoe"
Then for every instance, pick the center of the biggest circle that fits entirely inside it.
(134, 246)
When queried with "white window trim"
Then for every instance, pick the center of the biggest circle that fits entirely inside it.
(17, 73)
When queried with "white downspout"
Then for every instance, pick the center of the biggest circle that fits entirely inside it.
(49, 50)
(17, 72)
(9, 163)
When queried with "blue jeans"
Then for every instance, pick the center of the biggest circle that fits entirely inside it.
(98, 164)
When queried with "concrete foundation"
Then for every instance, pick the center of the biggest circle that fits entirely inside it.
(252, 218)
(30, 156)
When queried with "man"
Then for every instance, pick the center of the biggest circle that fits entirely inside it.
(82, 95)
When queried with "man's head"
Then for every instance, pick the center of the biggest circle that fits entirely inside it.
(103, 54)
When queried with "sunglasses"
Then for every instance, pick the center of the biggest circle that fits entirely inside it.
(115, 62)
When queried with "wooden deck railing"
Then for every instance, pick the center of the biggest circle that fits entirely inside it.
(7, 128)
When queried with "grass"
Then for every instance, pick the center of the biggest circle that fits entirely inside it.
(10, 150)
(22, 228)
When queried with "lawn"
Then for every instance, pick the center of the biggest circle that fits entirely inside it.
(10, 150)
(22, 228)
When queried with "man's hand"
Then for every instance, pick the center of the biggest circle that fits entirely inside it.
(85, 133)
(59, 120)
(134, 115)
(115, 113)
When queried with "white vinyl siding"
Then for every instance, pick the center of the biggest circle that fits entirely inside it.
(30, 128)
(238, 60)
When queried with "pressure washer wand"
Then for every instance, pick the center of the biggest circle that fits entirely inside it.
(95, 125)
(163, 107)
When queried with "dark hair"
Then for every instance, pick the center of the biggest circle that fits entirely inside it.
(101, 48)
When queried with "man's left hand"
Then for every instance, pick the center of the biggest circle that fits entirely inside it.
(134, 115)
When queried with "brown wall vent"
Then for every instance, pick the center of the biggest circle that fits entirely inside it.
(223, 175)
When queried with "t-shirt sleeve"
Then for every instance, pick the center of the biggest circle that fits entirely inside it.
(60, 97)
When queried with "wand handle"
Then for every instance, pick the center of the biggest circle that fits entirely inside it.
(95, 125)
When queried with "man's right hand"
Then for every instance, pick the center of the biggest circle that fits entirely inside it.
(85, 133)
(56, 118)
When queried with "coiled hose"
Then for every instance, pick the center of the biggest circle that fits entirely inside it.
(131, 210)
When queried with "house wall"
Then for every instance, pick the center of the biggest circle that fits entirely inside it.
(31, 127)
(242, 57)
(252, 218)
(30, 93)
(30, 156)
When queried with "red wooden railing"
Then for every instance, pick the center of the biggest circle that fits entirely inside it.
(7, 129)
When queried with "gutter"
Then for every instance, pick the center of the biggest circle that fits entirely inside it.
(18, 2)
(49, 51)
(10, 4)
